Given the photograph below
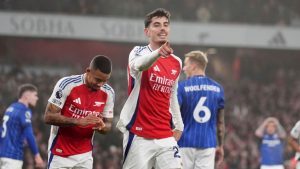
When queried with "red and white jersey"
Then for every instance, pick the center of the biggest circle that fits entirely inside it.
(146, 112)
(76, 100)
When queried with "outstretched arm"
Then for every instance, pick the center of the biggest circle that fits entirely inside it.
(53, 116)
(145, 62)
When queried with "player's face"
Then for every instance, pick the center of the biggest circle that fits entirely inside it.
(188, 67)
(271, 128)
(31, 97)
(95, 78)
(158, 30)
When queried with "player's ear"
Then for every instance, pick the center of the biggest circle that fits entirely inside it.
(146, 32)
(87, 70)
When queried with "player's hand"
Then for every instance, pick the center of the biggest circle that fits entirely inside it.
(177, 134)
(39, 163)
(219, 155)
(165, 50)
(89, 119)
(99, 126)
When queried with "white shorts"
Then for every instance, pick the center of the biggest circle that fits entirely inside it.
(271, 167)
(195, 158)
(298, 165)
(141, 153)
(82, 161)
(6, 163)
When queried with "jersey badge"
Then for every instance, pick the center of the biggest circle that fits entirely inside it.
(173, 72)
(98, 104)
(58, 94)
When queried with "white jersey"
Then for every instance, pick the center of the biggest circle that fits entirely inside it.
(295, 132)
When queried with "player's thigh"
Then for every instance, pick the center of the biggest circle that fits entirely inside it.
(85, 162)
(205, 158)
(168, 156)
(6, 163)
(58, 162)
(138, 152)
(188, 157)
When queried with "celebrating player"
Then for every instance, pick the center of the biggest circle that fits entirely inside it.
(201, 102)
(145, 119)
(78, 106)
(17, 127)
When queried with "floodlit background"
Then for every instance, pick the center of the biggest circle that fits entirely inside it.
(253, 47)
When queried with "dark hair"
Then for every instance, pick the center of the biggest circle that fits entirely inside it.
(26, 87)
(102, 63)
(159, 12)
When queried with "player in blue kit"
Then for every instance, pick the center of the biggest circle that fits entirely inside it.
(16, 128)
(272, 135)
(201, 101)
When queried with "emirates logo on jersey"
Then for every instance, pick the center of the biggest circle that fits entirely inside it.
(161, 79)
(77, 113)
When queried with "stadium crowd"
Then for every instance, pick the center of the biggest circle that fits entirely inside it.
(249, 100)
(263, 12)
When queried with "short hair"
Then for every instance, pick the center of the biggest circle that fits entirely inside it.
(26, 87)
(159, 12)
(102, 63)
(198, 57)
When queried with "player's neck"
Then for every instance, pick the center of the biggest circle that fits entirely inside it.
(198, 72)
(153, 46)
(23, 101)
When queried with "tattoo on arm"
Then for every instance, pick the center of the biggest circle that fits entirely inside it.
(221, 127)
(53, 116)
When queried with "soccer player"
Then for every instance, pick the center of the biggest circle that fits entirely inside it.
(271, 150)
(16, 128)
(201, 101)
(146, 118)
(78, 106)
(294, 142)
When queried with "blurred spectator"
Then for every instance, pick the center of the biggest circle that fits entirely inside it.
(266, 12)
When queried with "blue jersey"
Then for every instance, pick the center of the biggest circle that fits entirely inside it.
(271, 150)
(200, 98)
(16, 127)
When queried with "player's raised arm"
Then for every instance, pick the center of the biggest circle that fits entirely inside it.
(143, 62)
